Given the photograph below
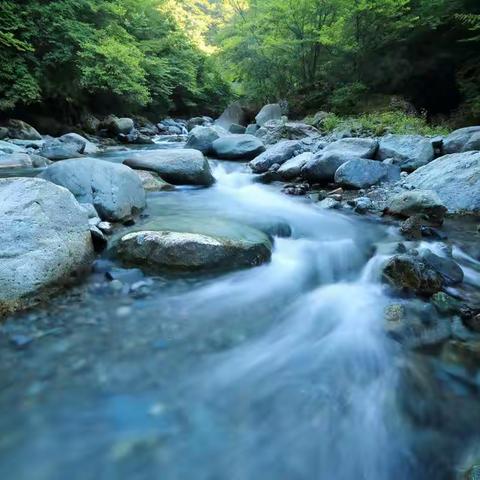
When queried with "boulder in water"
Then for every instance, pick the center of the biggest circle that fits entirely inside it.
(89, 148)
(353, 147)
(115, 190)
(456, 180)
(45, 240)
(463, 140)
(448, 268)
(175, 166)
(409, 152)
(167, 250)
(56, 149)
(237, 147)
(269, 112)
(362, 173)
(409, 273)
(277, 154)
(21, 130)
(322, 166)
(293, 168)
(152, 182)
(425, 203)
(202, 138)
(234, 113)
(117, 126)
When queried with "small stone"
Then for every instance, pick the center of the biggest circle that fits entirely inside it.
(329, 204)
(19, 341)
(411, 228)
(105, 227)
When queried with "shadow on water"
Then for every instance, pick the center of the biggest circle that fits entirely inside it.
(278, 372)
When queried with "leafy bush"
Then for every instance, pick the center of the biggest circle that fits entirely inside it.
(377, 124)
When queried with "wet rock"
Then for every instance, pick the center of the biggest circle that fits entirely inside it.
(323, 166)
(415, 324)
(15, 160)
(89, 148)
(450, 271)
(361, 173)
(424, 203)
(105, 227)
(292, 168)
(411, 274)
(237, 147)
(176, 166)
(329, 204)
(456, 180)
(117, 126)
(463, 352)
(362, 205)
(411, 228)
(57, 150)
(237, 129)
(446, 304)
(202, 138)
(21, 130)
(277, 154)
(115, 190)
(252, 129)
(164, 250)
(152, 182)
(296, 189)
(45, 240)
(409, 152)
(353, 147)
(462, 140)
(269, 112)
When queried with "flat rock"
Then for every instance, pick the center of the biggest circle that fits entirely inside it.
(176, 166)
(115, 190)
(237, 147)
(167, 250)
(354, 147)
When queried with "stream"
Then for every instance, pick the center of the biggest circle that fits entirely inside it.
(279, 372)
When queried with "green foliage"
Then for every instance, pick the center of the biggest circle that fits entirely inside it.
(330, 54)
(377, 124)
(125, 54)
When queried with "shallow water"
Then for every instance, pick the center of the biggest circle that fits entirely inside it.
(277, 372)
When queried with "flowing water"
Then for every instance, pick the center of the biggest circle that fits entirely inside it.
(280, 372)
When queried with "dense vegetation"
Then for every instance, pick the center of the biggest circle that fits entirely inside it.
(159, 56)
(117, 55)
(342, 55)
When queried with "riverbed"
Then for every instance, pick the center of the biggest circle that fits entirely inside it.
(279, 372)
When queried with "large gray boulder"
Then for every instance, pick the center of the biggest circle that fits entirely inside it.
(237, 147)
(175, 166)
(234, 113)
(56, 150)
(409, 152)
(363, 173)
(456, 180)
(425, 203)
(117, 126)
(21, 130)
(293, 168)
(322, 166)
(277, 154)
(274, 131)
(463, 140)
(202, 138)
(273, 111)
(89, 148)
(115, 190)
(45, 240)
(16, 160)
(354, 147)
(166, 250)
